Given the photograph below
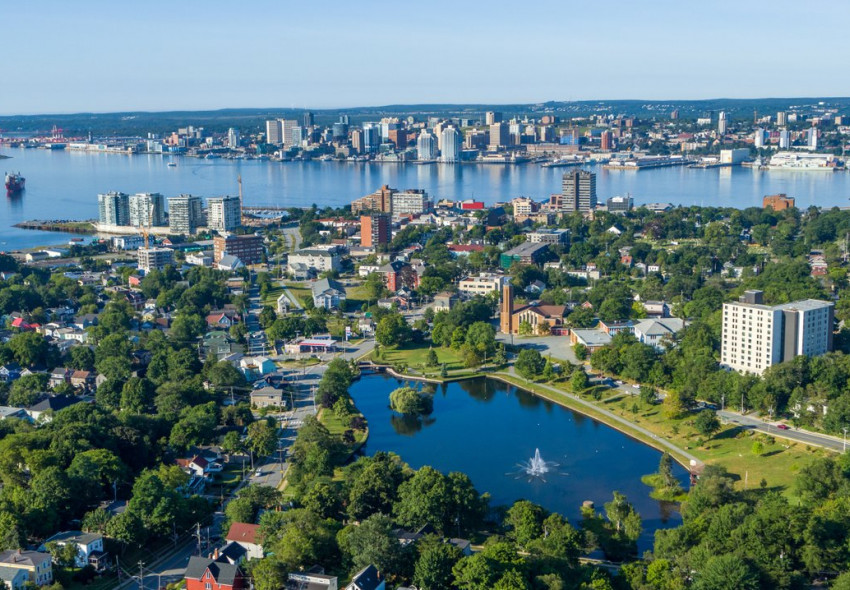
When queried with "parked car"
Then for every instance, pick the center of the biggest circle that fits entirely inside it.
(782, 426)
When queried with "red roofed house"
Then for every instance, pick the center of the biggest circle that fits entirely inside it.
(20, 324)
(247, 536)
(222, 319)
(208, 574)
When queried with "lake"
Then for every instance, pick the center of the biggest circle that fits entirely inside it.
(485, 428)
(64, 185)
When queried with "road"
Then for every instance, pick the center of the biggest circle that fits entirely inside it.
(803, 436)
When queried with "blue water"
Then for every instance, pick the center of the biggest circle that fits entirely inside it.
(484, 428)
(63, 184)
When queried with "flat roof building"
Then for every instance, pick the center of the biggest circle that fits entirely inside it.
(248, 249)
(185, 214)
(578, 190)
(224, 213)
(155, 258)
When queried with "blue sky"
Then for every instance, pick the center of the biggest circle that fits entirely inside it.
(93, 55)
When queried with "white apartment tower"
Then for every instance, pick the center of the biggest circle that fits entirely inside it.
(274, 132)
(232, 138)
(185, 214)
(224, 213)
(113, 208)
(147, 209)
(757, 336)
(721, 123)
(426, 146)
(451, 145)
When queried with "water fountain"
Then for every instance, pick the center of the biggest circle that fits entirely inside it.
(536, 468)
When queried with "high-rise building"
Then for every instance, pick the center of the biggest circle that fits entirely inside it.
(546, 134)
(397, 137)
(357, 141)
(499, 136)
(491, 117)
(426, 146)
(674, 115)
(812, 139)
(371, 137)
(451, 145)
(345, 119)
(579, 191)
(274, 132)
(113, 208)
(147, 209)
(374, 230)
(758, 138)
(154, 258)
(248, 249)
(232, 138)
(307, 119)
(784, 139)
(380, 201)
(606, 141)
(339, 130)
(781, 119)
(185, 214)
(224, 213)
(756, 336)
(290, 133)
(721, 123)
(410, 202)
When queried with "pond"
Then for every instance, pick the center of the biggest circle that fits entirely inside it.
(486, 429)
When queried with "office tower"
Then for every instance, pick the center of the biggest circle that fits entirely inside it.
(451, 142)
(345, 119)
(154, 258)
(339, 130)
(147, 209)
(379, 201)
(307, 119)
(287, 133)
(756, 336)
(274, 132)
(515, 133)
(232, 138)
(579, 191)
(248, 249)
(397, 137)
(426, 146)
(674, 115)
(781, 119)
(812, 140)
(185, 214)
(758, 138)
(371, 137)
(113, 208)
(721, 123)
(410, 202)
(224, 213)
(491, 117)
(546, 134)
(784, 139)
(499, 136)
(374, 230)
(606, 140)
(357, 140)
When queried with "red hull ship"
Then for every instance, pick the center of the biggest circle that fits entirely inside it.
(14, 182)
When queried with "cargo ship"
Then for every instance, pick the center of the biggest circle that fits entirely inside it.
(14, 182)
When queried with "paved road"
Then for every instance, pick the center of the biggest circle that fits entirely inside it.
(803, 436)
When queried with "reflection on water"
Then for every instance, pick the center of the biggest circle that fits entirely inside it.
(408, 425)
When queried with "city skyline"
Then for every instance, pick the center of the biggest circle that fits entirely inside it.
(199, 56)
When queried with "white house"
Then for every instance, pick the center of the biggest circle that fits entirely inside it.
(89, 547)
(246, 535)
(653, 331)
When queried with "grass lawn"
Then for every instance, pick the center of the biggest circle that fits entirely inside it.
(298, 290)
(356, 296)
(271, 297)
(415, 356)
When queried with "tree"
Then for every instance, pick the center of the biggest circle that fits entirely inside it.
(224, 374)
(373, 542)
(323, 500)
(580, 350)
(424, 499)
(11, 533)
(26, 390)
(231, 443)
(707, 423)
(758, 448)
(81, 358)
(374, 488)
(433, 569)
(501, 357)
(529, 363)
(137, 395)
(482, 337)
(579, 381)
(392, 330)
(665, 470)
(431, 360)
(269, 574)
(409, 401)
(525, 522)
(548, 371)
(726, 572)
(262, 438)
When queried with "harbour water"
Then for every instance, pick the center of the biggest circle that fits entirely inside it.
(64, 185)
(486, 429)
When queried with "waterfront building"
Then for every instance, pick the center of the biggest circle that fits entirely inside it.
(758, 138)
(232, 138)
(721, 123)
(224, 213)
(357, 141)
(450, 144)
(620, 204)
(606, 141)
(339, 131)
(248, 249)
(374, 230)
(274, 132)
(735, 156)
(307, 119)
(113, 208)
(371, 137)
(155, 258)
(499, 136)
(426, 146)
(578, 191)
(410, 202)
(812, 140)
(147, 209)
(756, 336)
(185, 214)
(778, 202)
(784, 139)
(491, 117)
(290, 133)
(380, 201)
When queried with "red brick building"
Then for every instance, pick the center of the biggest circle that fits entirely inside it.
(207, 574)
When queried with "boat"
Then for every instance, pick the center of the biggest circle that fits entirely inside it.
(171, 164)
(14, 182)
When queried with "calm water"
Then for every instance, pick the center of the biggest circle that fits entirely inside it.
(63, 184)
(485, 428)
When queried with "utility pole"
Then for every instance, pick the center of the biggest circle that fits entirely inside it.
(141, 575)
(198, 535)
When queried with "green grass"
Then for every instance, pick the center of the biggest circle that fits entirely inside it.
(356, 296)
(271, 296)
(415, 357)
(298, 290)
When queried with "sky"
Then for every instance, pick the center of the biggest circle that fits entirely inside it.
(105, 56)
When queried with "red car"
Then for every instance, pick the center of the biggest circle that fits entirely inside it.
(782, 426)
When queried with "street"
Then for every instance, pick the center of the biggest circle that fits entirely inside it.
(802, 436)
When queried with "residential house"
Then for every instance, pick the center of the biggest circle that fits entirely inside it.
(14, 578)
(369, 578)
(614, 328)
(283, 303)
(254, 367)
(9, 372)
(312, 579)
(246, 535)
(207, 574)
(10, 412)
(85, 320)
(229, 262)
(483, 284)
(398, 274)
(89, 548)
(267, 397)
(58, 376)
(50, 404)
(656, 331)
(199, 466)
(656, 309)
(38, 565)
(82, 380)
(328, 293)
(223, 319)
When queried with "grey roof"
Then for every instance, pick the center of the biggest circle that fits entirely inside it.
(660, 326)
(323, 285)
(527, 249)
(75, 537)
(8, 412)
(28, 558)
(593, 337)
(54, 402)
(224, 573)
(233, 552)
(229, 260)
(367, 579)
(9, 574)
(805, 305)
